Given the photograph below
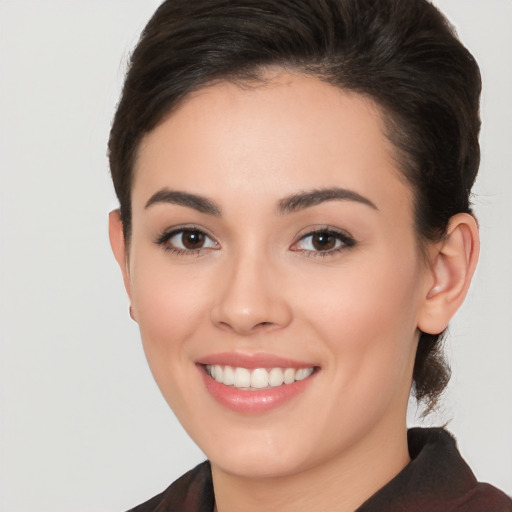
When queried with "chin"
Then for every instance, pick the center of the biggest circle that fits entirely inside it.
(257, 453)
(256, 464)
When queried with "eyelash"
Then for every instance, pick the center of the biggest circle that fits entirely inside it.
(165, 238)
(346, 242)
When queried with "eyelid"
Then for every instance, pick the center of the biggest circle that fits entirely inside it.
(346, 238)
(167, 234)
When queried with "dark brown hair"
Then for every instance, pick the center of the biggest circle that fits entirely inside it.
(403, 54)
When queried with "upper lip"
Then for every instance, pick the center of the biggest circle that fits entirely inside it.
(252, 361)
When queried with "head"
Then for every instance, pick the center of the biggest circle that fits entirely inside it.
(403, 55)
(398, 60)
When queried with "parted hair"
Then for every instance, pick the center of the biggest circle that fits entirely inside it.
(402, 54)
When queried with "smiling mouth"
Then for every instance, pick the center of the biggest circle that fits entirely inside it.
(257, 378)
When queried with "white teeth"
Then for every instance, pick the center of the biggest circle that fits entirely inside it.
(303, 373)
(229, 376)
(289, 376)
(217, 373)
(242, 378)
(275, 377)
(259, 378)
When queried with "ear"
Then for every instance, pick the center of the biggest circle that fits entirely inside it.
(117, 242)
(452, 264)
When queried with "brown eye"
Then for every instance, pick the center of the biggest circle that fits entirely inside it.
(187, 241)
(192, 239)
(323, 241)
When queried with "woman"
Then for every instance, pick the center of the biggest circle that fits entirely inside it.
(295, 234)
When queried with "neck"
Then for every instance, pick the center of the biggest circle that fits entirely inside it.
(340, 483)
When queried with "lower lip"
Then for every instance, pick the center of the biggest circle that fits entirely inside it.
(253, 402)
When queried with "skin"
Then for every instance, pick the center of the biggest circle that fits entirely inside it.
(258, 286)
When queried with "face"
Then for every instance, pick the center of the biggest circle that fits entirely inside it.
(274, 273)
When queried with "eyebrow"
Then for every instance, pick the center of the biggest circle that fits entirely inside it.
(194, 201)
(311, 198)
(290, 204)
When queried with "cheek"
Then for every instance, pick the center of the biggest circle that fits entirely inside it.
(367, 315)
(171, 308)
(361, 296)
(170, 305)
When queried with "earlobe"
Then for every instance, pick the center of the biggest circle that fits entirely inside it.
(452, 265)
(117, 242)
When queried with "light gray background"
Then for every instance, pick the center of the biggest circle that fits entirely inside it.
(82, 426)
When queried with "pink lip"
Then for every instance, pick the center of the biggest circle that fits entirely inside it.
(252, 361)
(253, 402)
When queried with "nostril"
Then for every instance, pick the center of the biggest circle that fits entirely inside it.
(264, 326)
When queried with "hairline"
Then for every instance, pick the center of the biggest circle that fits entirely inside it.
(261, 75)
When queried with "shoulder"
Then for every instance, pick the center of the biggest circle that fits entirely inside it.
(192, 492)
(436, 480)
(484, 498)
(437, 449)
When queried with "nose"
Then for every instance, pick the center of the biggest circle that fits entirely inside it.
(251, 297)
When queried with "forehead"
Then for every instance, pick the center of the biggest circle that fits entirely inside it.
(289, 132)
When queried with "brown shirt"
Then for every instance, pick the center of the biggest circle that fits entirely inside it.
(436, 480)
